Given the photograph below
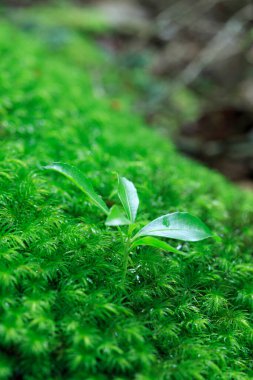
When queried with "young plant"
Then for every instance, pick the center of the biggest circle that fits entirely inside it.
(178, 225)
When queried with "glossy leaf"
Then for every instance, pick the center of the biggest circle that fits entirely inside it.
(77, 177)
(179, 225)
(128, 197)
(117, 217)
(153, 242)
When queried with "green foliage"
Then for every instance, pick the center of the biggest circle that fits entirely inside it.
(153, 242)
(63, 314)
(117, 217)
(129, 198)
(179, 225)
(77, 177)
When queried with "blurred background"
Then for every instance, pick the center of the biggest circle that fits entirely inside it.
(190, 63)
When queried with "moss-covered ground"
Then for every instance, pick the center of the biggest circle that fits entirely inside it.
(63, 314)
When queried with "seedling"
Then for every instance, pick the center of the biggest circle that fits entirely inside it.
(178, 225)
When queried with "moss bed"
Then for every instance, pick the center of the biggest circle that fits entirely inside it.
(62, 312)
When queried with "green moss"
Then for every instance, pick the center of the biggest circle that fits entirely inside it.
(63, 315)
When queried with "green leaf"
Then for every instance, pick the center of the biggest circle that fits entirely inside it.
(128, 197)
(77, 177)
(153, 242)
(179, 225)
(116, 217)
